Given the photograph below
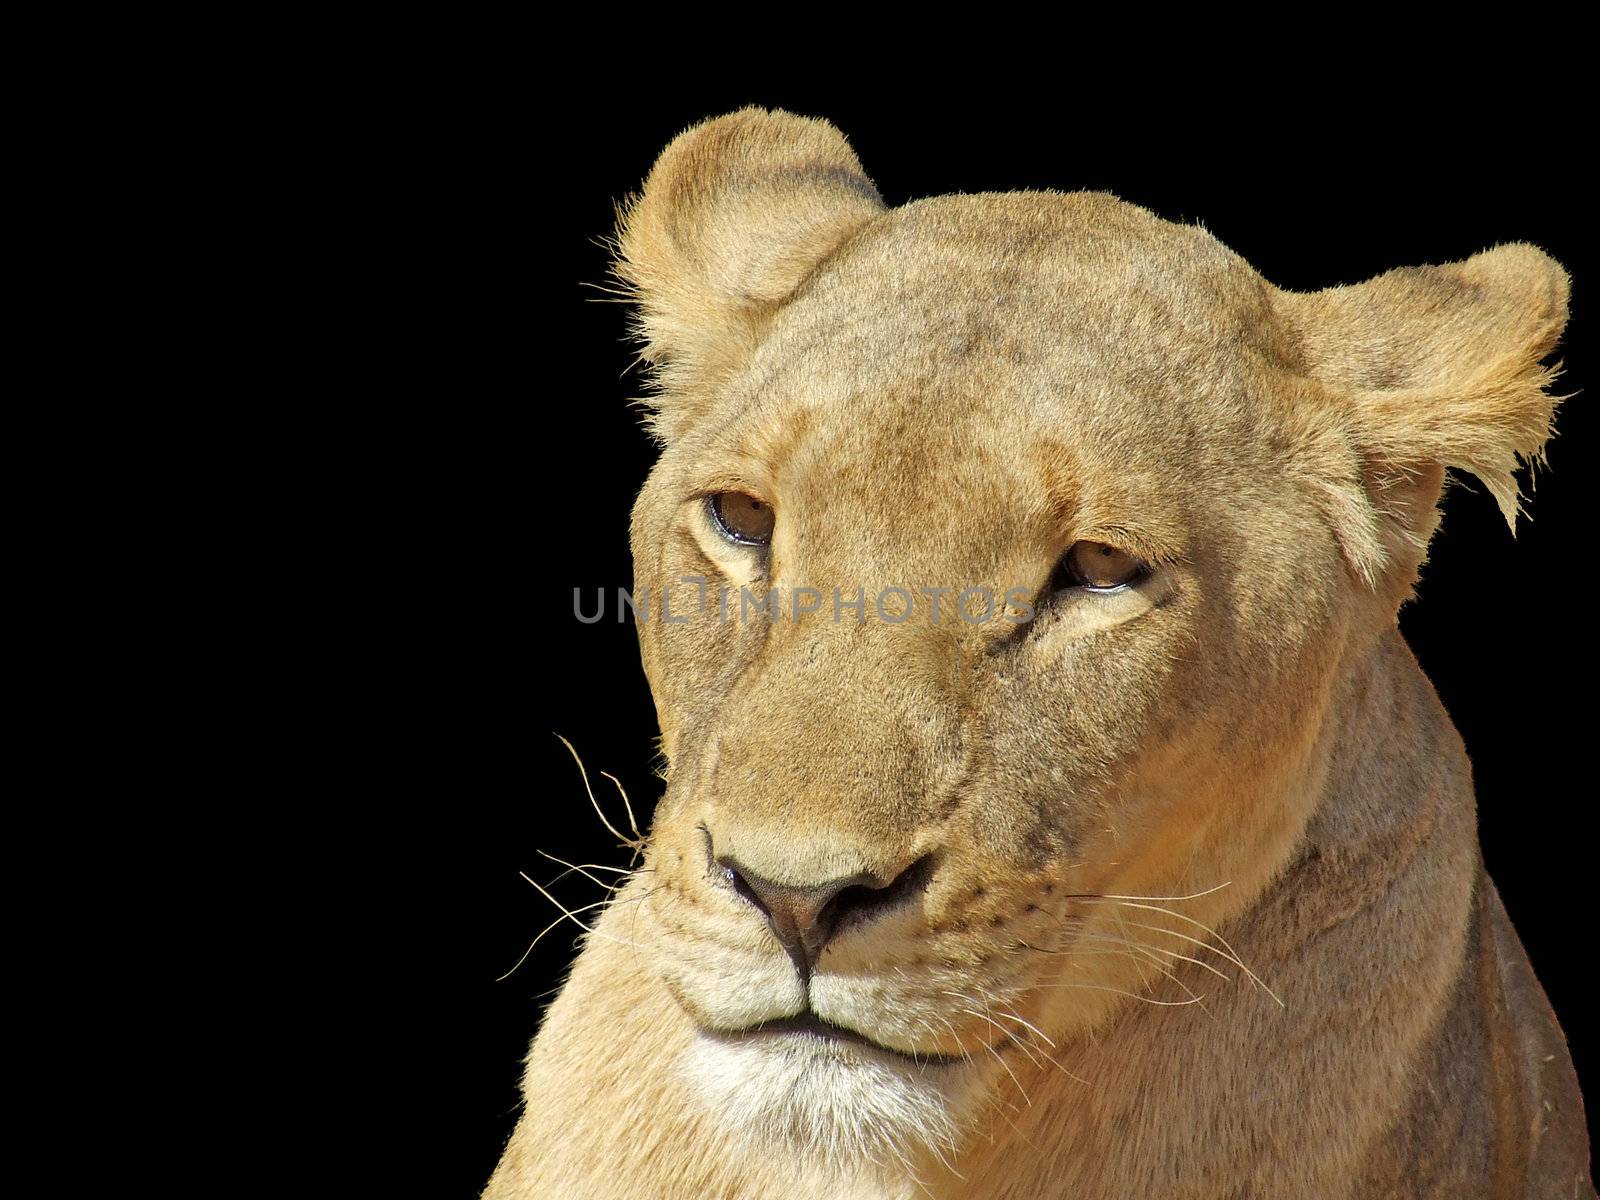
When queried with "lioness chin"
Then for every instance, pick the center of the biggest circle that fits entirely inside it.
(1052, 806)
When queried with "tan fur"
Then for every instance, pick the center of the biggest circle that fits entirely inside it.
(950, 394)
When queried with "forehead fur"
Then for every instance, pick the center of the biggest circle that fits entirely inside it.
(1020, 305)
(1084, 258)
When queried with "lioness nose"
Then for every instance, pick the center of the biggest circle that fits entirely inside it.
(804, 918)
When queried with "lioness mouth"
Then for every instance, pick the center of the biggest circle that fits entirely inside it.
(809, 1024)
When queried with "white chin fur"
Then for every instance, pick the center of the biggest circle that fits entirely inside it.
(844, 1109)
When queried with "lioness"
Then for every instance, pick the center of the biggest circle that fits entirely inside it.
(1154, 877)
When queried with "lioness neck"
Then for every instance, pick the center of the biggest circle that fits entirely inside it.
(1361, 936)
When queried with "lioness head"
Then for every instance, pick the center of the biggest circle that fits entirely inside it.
(1011, 545)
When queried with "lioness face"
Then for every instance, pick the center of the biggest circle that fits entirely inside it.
(1030, 538)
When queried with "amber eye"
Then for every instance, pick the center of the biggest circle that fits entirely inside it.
(1097, 566)
(741, 518)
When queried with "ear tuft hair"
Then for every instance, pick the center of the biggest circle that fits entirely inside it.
(735, 215)
(1428, 368)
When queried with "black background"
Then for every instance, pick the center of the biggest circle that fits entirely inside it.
(516, 482)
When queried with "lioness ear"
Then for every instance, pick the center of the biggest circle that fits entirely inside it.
(735, 214)
(1426, 368)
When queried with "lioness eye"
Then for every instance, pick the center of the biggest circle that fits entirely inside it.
(1098, 566)
(741, 518)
